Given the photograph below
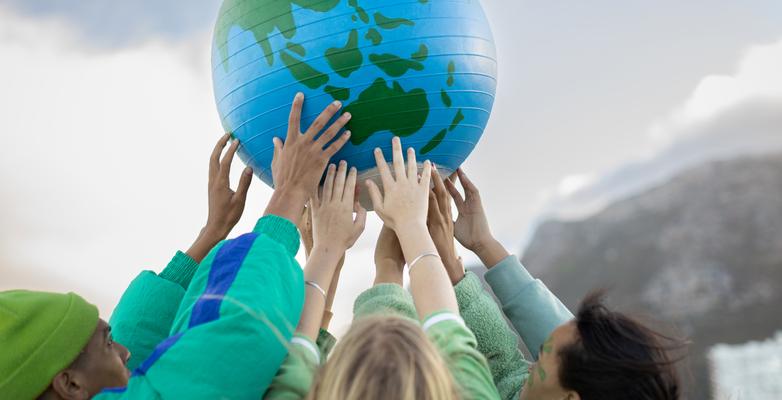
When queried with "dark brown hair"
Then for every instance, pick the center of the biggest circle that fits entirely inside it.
(617, 357)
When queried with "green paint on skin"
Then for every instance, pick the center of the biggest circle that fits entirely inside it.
(374, 36)
(541, 373)
(394, 65)
(421, 54)
(548, 346)
(337, 93)
(436, 140)
(303, 72)
(457, 119)
(451, 70)
(296, 48)
(246, 14)
(391, 23)
(348, 59)
(403, 113)
(445, 98)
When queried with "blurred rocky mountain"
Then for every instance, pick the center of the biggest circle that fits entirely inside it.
(699, 256)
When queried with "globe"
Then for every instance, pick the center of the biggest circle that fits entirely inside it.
(423, 70)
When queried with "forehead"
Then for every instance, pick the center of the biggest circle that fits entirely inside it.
(99, 333)
(564, 335)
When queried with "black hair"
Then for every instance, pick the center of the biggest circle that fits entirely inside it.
(617, 357)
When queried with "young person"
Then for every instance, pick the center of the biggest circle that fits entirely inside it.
(599, 354)
(225, 340)
(385, 356)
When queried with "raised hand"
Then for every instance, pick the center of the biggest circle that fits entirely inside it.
(441, 228)
(471, 228)
(333, 226)
(298, 164)
(225, 205)
(404, 199)
(334, 230)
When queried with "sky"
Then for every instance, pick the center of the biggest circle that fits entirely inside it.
(108, 119)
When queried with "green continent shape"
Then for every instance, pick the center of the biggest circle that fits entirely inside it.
(296, 48)
(457, 119)
(445, 98)
(451, 69)
(337, 93)
(381, 107)
(346, 60)
(374, 36)
(421, 54)
(303, 72)
(261, 17)
(394, 65)
(436, 140)
(391, 23)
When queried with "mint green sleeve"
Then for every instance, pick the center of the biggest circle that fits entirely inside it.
(531, 308)
(234, 324)
(385, 298)
(145, 313)
(496, 340)
(296, 375)
(459, 349)
(325, 342)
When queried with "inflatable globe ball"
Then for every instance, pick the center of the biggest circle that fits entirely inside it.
(423, 70)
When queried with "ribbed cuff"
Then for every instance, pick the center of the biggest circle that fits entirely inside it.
(180, 270)
(280, 230)
(507, 278)
(381, 290)
(467, 290)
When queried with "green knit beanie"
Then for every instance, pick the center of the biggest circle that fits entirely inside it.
(40, 335)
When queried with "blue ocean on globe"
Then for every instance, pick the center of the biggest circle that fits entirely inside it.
(423, 70)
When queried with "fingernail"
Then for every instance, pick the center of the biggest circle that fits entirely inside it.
(353, 169)
(347, 115)
(248, 171)
(377, 149)
(343, 162)
(347, 133)
(299, 95)
(336, 103)
(332, 166)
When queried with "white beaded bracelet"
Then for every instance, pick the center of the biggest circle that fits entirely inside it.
(316, 286)
(417, 259)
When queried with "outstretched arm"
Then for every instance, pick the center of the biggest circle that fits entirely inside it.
(532, 309)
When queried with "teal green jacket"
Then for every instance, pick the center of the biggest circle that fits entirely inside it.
(220, 335)
(532, 309)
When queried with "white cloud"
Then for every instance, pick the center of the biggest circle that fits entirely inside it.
(725, 116)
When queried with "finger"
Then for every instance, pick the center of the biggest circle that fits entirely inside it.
(294, 119)
(328, 185)
(455, 195)
(333, 130)
(426, 175)
(382, 168)
(412, 165)
(443, 198)
(467, 185)
(361, 219)
(316, 197)
(214, 160)
(433, 209)
(322, 119)
(375, 195)
(350, 186)
(339, 181)
(337, 145)
(244, 184)
(225, 163)
(277, 148)
(398, 159)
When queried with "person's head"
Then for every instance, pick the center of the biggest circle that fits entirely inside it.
(58, 347)
(384, 357)
(603, 354)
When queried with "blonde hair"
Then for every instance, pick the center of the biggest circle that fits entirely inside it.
(384, 357)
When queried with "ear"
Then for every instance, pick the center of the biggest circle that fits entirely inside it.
(69, 385)
(571, 395)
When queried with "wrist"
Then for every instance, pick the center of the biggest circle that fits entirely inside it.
(491, 252)
(287, 203)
